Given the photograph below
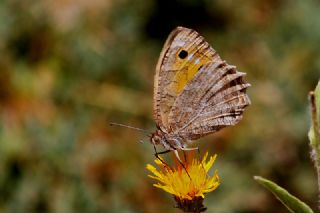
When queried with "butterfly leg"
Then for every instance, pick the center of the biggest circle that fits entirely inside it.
(190, 149)
(194, 148)
(181, 163)
(177, 156)
(160, 153)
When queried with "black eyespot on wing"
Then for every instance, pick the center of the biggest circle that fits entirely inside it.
(183, 54)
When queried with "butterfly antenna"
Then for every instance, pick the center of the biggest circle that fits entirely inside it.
(131, 127)
(141, 141)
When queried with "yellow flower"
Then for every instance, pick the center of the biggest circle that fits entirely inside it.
(186, 186)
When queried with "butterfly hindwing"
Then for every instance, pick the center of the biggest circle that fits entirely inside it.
(214, 99)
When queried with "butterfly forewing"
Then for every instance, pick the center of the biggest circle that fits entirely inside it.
(184, 53)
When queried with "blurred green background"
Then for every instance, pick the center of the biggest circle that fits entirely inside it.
(70, 67)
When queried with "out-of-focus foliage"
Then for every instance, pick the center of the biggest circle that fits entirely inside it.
(69, 67)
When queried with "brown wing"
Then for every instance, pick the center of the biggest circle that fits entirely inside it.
(183, 54)
(214, 98)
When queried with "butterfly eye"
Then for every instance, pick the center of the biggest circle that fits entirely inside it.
(183, 54)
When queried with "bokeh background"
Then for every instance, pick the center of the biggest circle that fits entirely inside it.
(68, 68)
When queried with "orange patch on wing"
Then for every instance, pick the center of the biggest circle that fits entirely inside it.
(184, 76)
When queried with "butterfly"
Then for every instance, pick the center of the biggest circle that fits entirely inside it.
(195, 92)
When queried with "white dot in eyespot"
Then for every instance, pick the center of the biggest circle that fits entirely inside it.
(190, 57)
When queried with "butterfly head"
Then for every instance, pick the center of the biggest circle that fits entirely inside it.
(157, 137)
